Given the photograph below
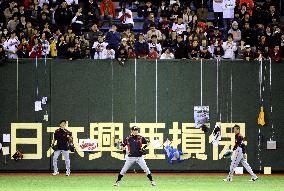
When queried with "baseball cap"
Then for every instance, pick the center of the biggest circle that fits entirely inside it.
(235, 23)
(134, 128)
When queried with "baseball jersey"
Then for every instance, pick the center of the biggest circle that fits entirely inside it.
(239, 142)
(134, 145)
(62, 138)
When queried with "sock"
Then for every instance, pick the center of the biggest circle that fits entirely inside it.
(150, 177)
(119, 177)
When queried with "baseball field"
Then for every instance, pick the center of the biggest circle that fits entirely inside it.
(132, 181)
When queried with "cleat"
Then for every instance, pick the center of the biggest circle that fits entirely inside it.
(55, 173)
(227, 180)
(153, 183)
(253, 179)
(116, 183)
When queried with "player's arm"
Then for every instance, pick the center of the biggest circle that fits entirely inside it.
(55, 138)
(145, 143)
(238, 142)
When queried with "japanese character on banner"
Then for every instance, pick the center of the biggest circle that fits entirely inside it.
(150, 132)
(106, 134)
(193, 141)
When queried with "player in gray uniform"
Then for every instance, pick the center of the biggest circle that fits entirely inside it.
(134, 144)
(239, 156)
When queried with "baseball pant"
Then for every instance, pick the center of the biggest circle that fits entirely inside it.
(66, 157)
(237, 158)
(131, 160)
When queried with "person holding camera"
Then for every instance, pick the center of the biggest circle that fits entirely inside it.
(136, 145)
(125, 16)
(64, 140)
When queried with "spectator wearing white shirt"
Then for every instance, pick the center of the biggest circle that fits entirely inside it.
(70, 2)
(218, 12)
(45, 46)
(229, 48)
(167, 54)
(77, 22)
(153, 31)
(11, 46)
(154, 44)
(126, 18)
(99, 47)
(41, 2)
(178, 28)
(108, 53)
(228, 12)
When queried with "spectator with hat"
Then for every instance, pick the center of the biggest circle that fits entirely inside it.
(122, 54)
(236, 32)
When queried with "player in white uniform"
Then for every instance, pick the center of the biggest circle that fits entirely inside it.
(239, 156)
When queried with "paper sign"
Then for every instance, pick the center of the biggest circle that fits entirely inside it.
(5, 150)
(88, 145)
(156, 144)
(45, 117)
(43, 100)
(38, 106)
(239, 170)
(201, 115)
(6, 138)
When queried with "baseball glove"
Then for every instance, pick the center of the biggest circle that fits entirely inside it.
(54, 147)
(228, 154)
(143, 151)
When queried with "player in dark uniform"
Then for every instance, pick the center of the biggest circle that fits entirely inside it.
(63, 138)
(136, 145)
(239, 156)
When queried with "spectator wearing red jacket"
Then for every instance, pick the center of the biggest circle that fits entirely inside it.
(107, 10)
(249, 4)
(153, 54)
(275, 54)
(35, 49)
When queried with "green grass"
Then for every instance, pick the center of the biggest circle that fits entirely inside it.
(171, 183)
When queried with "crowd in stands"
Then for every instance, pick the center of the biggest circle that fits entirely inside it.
(182, 29)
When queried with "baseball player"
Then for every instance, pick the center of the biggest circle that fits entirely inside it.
(135, 148)
(239, 156)
(63, 138)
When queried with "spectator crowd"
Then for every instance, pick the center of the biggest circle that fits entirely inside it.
(182, 29)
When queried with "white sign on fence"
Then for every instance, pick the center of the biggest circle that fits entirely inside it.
(88, 144)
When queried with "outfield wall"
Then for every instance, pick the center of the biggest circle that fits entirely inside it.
(101, 100)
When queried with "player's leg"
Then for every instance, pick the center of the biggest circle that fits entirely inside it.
(142, 163)
(128, 163)
(55, 159)
(248, 168)
(67, 162)
(238, 155)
